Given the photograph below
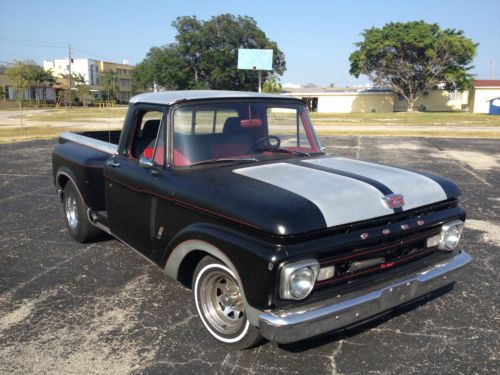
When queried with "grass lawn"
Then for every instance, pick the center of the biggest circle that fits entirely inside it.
(427, 124)
(91, 114)
(29, 133)
(11, 135)
(403, 118)
(411, 132)
(80, 114)
(399, 118)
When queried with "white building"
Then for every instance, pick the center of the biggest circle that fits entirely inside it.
(85, 67)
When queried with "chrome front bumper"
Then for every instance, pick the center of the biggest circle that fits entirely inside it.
(290, 325)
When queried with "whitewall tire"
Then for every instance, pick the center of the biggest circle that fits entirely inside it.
(220, 305)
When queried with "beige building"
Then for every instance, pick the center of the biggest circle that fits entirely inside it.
(124, 76)
(347, 100)
(485, 96)
(352, 100)
(436, 101)
(43, 92)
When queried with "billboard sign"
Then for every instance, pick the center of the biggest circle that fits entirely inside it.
(255, 59)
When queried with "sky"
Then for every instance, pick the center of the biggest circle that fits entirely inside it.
(316, 37)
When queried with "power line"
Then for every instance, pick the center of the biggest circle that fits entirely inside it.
(38, 43)
(95, 53)
(30, 42)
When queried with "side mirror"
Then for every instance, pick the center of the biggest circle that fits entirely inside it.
(146, 163)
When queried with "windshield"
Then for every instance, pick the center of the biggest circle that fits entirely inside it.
(241, 130)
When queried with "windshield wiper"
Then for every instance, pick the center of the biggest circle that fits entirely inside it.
(282, 150)
(225, 160)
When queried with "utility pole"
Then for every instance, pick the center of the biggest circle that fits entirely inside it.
(492, 69)
(69, 76)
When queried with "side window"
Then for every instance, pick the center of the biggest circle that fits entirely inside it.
(147, 128)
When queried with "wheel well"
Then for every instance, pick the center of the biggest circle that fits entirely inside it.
(188, 266)
(62, 181)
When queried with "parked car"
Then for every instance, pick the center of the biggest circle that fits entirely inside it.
(232, 194)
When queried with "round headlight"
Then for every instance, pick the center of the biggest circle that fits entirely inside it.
(450, 235)
(301, 282)
(297, 279)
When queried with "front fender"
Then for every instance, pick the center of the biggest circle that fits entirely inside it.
(253, 261)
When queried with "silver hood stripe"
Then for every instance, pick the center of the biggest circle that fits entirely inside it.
(417, 190)
(340, 199)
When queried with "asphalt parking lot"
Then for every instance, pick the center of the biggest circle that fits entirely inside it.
(102, 308)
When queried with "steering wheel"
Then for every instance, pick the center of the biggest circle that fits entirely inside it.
(267, 142)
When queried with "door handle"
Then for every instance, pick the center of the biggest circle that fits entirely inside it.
(112, 163)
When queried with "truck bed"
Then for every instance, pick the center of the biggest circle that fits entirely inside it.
(81, 157)
(94, 139)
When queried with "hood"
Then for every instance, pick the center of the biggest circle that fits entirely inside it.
(304, 195)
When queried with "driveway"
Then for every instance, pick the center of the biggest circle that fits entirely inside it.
(102, 308)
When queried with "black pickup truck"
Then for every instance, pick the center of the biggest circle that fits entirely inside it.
(231, 193)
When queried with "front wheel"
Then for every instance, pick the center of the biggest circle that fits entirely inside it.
(220, 304)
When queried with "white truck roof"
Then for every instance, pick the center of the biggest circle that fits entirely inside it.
(171, 97)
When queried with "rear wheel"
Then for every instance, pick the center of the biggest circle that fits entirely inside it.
(75, 214)
(220, 304)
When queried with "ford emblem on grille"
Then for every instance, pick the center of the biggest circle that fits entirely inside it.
(393, 200)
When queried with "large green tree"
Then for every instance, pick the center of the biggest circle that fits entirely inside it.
(414, 57)
(205, 55)
(162, 66)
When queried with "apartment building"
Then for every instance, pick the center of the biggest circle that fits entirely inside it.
(92, 72)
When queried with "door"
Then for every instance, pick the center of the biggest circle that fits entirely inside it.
(131, 178)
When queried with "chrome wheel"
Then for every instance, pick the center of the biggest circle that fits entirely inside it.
(221, 302)
(71, 209)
